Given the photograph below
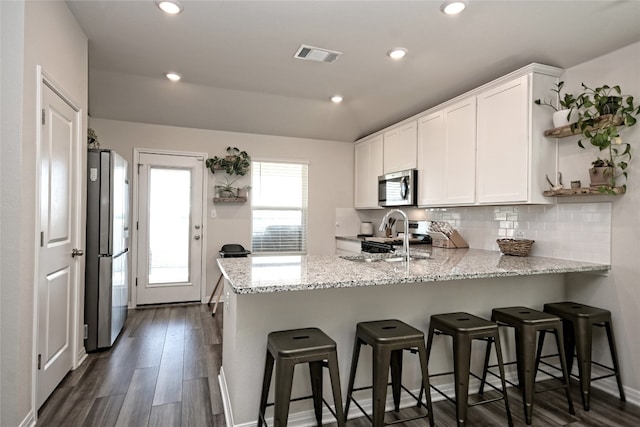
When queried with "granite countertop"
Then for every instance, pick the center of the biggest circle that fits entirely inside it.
(267, 274)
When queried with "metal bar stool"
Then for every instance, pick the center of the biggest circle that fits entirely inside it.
(388, 339)
(231, 250)
(526, 323)
(578, 321)
(288, 348)
(463, 328)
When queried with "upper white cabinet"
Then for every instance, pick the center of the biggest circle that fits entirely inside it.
(484, 147)
(368, 166)
(400, 147)
(447, 155)
(513, 159)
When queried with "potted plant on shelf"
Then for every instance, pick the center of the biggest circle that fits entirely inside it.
(565, 113)
(236, 162)
(602, 113)
(92, 139)
(227, 190)
(243, 191)
(601, 172)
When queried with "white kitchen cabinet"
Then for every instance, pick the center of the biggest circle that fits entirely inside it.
(513, 158)
(347, 247)
(400, 147)
(368, 166)
(447, 155)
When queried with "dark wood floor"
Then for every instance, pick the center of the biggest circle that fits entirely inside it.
(163, 372)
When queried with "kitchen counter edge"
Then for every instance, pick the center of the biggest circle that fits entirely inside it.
(331, 272)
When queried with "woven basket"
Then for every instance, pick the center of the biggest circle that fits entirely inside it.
(516, 247)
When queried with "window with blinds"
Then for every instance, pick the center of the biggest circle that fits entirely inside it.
(279, 207)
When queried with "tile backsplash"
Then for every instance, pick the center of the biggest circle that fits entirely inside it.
(578, 231)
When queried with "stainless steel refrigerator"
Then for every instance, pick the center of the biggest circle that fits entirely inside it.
(107, 248)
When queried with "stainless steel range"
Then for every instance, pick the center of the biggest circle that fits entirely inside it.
(418, 230)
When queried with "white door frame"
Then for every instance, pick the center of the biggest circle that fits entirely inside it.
(78, 353)
(134, 222)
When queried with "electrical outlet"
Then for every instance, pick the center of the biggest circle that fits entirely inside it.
(214, 214)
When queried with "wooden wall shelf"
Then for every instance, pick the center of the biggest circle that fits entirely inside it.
(229, 199)
(564, 131)
(583, 191)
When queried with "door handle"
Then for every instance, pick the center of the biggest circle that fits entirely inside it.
(77, 252)
(196, 237)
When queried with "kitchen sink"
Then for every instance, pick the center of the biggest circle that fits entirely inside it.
(382, 257)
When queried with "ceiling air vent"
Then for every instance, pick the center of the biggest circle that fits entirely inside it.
(317, 54)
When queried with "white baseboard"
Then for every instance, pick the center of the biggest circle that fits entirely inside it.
(307, 418)
(610, 386)
(29, 421)
(81, 357)
(226, 401)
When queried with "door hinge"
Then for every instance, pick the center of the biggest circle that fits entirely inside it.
(136, 282)
(86, 331)
(44, 114)
(41, 238)
(139, 166)
(39, 361)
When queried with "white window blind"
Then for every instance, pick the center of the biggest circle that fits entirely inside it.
(279, 207)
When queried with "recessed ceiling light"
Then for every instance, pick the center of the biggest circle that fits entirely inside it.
(171, 7)
(336, 99)
(174, 77)
(397, 53)
(453, 7)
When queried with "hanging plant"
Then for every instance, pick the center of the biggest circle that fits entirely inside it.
(236, 162)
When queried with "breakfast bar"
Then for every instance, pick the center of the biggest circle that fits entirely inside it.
(270, 293)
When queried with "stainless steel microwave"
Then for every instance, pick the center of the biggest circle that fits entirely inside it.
(398, 188)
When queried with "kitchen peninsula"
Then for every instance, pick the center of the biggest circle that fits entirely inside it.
(264, 294)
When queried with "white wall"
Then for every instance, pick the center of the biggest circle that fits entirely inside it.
(54, 40)
(330, 176)
(11, 86)
(620, 291)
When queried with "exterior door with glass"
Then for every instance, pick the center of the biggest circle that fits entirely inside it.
(169, 228)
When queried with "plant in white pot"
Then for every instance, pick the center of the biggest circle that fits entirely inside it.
(565, 111)
(227, 190)
(602, 113)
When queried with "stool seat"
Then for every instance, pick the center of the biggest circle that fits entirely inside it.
(463, 323)
(300, 343)
(578, 321)
(575, 310)
(523, 315)
(527, 323)
(463, 328)
(388, 338)
(287, 349)
(388, 332)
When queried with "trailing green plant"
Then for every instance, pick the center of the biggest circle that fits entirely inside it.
(602, 113)
(92, 138)
(566, 102)
(602, 163)
(236, 162)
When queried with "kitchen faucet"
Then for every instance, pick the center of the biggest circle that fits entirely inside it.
(405, 240)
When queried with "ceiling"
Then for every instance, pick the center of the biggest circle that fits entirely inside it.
(239, 74)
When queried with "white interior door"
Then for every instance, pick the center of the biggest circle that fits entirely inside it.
(57, 274)
(170, 234)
